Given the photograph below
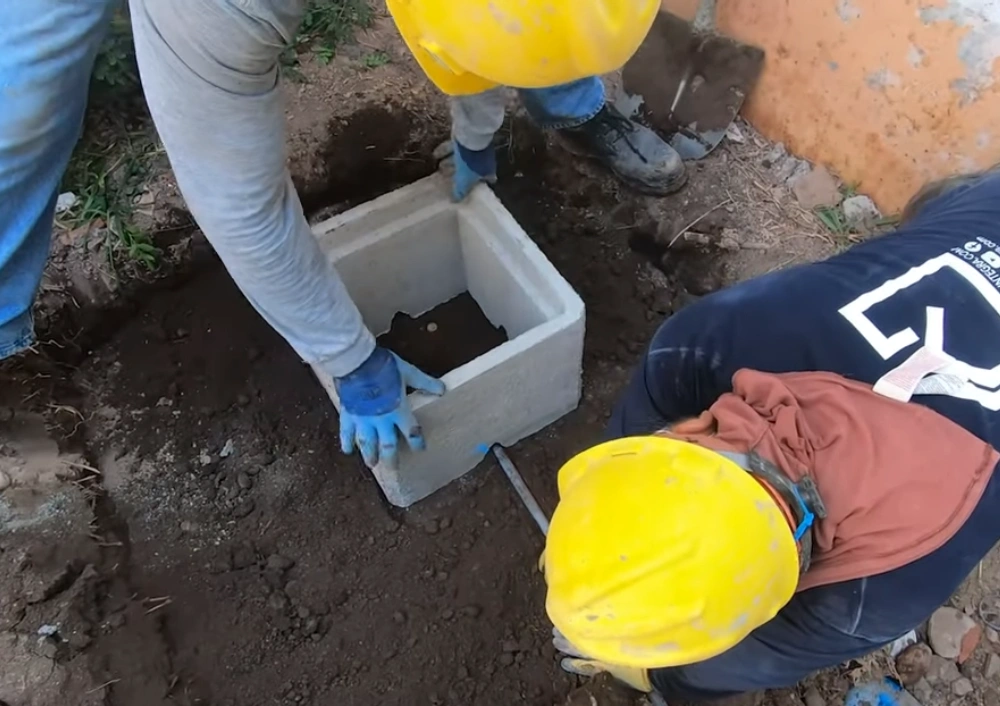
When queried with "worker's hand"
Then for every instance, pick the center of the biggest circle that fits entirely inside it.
(373, 406)
(466, 167)
(576, 662)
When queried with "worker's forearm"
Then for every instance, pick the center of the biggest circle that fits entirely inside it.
(209, 71)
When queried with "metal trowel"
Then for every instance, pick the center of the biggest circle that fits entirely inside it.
(692, 81)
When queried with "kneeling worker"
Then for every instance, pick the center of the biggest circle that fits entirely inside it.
(802, 467)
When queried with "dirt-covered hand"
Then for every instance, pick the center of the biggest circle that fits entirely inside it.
(373, 406)
(465, 167)
(575, 662)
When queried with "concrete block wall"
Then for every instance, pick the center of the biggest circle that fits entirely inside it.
(412, 250)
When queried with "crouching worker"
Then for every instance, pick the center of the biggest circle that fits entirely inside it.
(801, 470)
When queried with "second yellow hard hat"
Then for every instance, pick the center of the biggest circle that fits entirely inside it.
(663, 553)
(467, 47)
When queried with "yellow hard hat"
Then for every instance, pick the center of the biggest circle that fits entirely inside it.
(663, 553)
(473, 45)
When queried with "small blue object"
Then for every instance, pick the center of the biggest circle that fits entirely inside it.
(807, 517)
(879, 693)
(472, 167)
(373, 406)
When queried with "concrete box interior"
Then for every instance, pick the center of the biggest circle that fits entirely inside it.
(413, 249)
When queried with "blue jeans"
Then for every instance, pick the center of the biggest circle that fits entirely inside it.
(476, 118)
(47, 50)
(820, 627)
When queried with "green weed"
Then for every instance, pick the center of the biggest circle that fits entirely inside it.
(107, 180)
(324, 54)
(375, 59)
(325, 26)
(115, 71)
(331, 22)
(844, 234)
(833, 220)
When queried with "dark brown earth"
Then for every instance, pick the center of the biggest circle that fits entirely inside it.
(444, 338)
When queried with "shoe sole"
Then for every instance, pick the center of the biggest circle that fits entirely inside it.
(678, 183)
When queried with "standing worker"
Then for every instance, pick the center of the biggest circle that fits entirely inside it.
(209, 70)
(802, 467)
(553, 52)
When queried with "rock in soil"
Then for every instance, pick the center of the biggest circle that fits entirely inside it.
(860, 211)
(813, 697)
(816, 189)
(992, 669)
(953, 634)
(962, 687)
(243, 556)
(243, 508)
(913, 663)
(277, 562)
(942, 670)
(36, 677)
(278, 602)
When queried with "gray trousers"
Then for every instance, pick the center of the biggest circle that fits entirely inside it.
(209, 70)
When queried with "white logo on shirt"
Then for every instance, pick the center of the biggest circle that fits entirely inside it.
(932, 369)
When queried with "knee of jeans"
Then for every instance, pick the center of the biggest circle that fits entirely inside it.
(26, 121)
(43, 102)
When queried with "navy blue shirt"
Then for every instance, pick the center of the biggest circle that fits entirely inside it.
(860, 314)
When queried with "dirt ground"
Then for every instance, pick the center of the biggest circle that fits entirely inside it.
(182, 527)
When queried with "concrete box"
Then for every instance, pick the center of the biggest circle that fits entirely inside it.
(413, 249)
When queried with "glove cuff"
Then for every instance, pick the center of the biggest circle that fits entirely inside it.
(482, 162)
(376, 387)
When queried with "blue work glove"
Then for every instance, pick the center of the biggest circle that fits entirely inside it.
(373, 406)
(880, 693)
(466, 167)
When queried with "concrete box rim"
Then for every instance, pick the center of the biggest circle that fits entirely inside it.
(431, 195)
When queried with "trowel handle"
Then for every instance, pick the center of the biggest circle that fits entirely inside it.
(704, 18)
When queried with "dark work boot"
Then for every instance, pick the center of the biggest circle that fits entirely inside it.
(636, 154)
